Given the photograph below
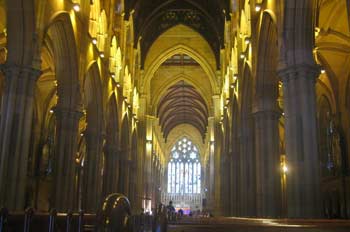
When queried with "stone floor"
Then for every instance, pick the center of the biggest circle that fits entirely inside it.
(263, 225)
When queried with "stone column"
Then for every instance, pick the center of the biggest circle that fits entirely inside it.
(110, 182)
(303, 179)
(133, 184)
(247, 186)
(149, 122)
(234, 172)
(65, 155)
(123, 182)
(15, 132)
(217, 130)
(92, 172)
(267, 163)
(210, 175)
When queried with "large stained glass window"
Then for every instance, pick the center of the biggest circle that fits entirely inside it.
(184, 168)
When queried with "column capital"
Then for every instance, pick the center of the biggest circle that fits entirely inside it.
(70, 113)
(10, 70)
(273, 114)
(306, 71)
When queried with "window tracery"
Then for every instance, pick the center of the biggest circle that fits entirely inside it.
(184, 168)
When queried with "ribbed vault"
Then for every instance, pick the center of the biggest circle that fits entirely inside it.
(152, 18)
(182, 104)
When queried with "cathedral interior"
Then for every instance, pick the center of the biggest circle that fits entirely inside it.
(233, 108)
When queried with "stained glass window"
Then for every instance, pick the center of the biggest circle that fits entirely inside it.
(184, 168)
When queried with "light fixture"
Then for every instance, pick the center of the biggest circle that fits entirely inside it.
(118, 85)
(81, 134)
(129, 106)
(55, 83)
(232, 86)
(94, 41)
(284, 168)
(76, 7)
(227, 100)
(225, 107)
(149, 141)
(102, 55)
(242, 55)
(247, 40)
(323, 71)
(283, 113)
(235, 76)
(257, 7)
(51, 111)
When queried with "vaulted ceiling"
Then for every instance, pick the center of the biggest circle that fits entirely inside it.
(182, 104)
(153, 17)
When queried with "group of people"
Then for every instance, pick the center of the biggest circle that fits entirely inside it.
(171, 210)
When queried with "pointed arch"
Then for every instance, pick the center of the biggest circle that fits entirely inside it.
(180, 49)
(266, 80)
(184, 168)
(125, 131)
(93, 99)
(60, 34)
(112, 126)
(111, 148)
(94, 118)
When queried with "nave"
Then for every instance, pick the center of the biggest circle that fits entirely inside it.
(229, 108)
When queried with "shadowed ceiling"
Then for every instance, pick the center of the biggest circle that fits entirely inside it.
(153, 17)
(182, 104)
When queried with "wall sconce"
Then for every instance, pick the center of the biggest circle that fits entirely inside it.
(284, 168)
(52, 111)
(94, 41)
(247, 40)
(232, 86)
(323, 70)
(112, 75)
(242, 55)
(102, 55)
(257, 7)
(118, 85)
(76, 7)
(235, 77)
